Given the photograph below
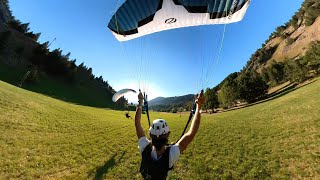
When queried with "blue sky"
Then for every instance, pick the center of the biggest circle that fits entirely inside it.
(169, 63)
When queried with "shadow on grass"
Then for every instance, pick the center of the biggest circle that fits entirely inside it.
(282, 90)
(101, 171)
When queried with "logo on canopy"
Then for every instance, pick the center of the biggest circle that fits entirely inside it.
(171, 21)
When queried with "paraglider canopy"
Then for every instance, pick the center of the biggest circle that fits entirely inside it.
(136, 18)
(121, 93)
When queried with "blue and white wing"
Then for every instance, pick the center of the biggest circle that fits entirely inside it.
(136, 18)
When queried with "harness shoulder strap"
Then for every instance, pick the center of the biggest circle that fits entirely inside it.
(167, 156)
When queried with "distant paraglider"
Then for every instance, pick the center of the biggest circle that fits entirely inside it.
(127, 115)
(121, 93)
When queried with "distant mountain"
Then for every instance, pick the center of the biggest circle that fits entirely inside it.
(172, 101)
(156, 101)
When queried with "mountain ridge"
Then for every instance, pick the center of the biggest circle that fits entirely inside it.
(171, 101)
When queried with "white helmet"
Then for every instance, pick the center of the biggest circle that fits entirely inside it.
(159, 127)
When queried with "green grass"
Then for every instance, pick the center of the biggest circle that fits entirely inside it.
(49, 139)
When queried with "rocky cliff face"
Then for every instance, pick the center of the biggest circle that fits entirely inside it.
(291, 40)
(297, 43)
(292, 45)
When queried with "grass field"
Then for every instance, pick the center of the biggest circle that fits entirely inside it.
(49, 139)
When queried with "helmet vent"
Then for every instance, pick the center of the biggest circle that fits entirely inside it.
(159, 127)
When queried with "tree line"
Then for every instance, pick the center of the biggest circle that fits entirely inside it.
(56, 64)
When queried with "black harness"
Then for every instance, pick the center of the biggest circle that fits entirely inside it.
(155, 170)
